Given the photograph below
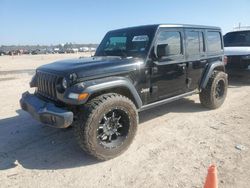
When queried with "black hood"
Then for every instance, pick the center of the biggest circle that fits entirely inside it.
(93, 66)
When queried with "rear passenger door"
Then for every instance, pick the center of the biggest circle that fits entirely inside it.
(195, 56)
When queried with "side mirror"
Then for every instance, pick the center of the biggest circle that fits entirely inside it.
(161, 50)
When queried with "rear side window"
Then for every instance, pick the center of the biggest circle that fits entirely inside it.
(192, 43)
(214, 42)
(173, 40)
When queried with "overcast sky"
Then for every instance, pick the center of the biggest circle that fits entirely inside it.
(86, 21)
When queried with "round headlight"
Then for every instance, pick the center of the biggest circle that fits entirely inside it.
(64, 83)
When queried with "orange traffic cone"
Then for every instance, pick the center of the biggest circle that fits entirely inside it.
(211, 181)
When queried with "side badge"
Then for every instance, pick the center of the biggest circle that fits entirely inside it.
(145, 90)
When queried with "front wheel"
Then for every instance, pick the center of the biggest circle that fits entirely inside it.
(106, 126)
(215, 92)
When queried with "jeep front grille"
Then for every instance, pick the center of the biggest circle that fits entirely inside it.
(46, 84)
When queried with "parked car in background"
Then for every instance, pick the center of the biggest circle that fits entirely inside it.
(2, 53)
(71, 50)
(62, 51)
(15, 52)
(39, 51)
(83, 49)
(92, 49)
(237, 49)
(50, 51)
(56, 50)
(27, 52)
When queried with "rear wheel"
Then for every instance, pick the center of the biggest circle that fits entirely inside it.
(215, 92)
(106, 126)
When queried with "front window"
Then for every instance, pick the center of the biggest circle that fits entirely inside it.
(173, 41)
(132, 42)
(241, 38)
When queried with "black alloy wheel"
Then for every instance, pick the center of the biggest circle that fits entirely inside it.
(113, 128)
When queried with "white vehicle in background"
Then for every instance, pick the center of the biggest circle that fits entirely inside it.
(237, 49)
(56, 50)
(92, 49)
(75, 50)
(83, 49)
(72, 50)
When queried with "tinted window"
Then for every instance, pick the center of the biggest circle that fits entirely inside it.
(192, 43)
(214, 41)
(128, 42)
(118, 43)
(173, 41)
(241, 38)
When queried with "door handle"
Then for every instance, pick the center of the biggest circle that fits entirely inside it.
(182, 64)
(203, 61)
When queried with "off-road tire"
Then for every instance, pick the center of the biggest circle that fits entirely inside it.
(86, 126)
(207, 95)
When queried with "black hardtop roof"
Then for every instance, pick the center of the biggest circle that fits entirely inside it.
(155, 26)
(190, 26)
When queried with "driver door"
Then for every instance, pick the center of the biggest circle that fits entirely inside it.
(168, 74)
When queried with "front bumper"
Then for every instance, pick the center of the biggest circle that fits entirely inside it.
(45, 112)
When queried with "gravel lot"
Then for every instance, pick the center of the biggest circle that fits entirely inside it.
(175, 143)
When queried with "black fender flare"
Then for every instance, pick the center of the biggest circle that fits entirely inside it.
(209, 71)
(94, 86)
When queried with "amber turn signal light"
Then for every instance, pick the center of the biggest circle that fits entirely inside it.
(82, 96)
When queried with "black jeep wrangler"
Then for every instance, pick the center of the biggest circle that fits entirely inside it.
(132, 70)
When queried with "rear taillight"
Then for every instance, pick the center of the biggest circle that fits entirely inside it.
(225, 60)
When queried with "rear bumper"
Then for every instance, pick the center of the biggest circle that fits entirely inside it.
(45, 112)
(239, 61)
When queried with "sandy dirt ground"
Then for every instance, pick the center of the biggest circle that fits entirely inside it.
(174, 145)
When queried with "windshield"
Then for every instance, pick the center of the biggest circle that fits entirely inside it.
(241, 38)
(132, 42)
